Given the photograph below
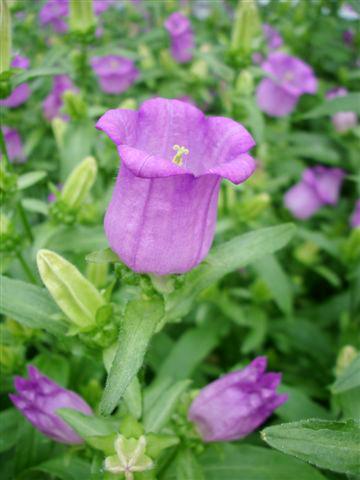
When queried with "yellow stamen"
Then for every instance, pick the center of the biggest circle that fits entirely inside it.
(178, 156)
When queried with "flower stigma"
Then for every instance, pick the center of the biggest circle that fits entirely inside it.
(178, 160)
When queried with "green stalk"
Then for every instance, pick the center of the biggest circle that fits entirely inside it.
(26, 268)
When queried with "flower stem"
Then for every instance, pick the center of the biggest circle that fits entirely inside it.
(3, 149)
(24, 221)
(26, 268)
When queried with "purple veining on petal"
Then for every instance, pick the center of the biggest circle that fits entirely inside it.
(161, 218)
(181, 36)
(38, 398)
(236, 404)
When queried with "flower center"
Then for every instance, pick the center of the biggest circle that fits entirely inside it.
(178, 160)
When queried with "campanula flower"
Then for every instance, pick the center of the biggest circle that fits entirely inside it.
(355, 217)
(14, 145)
(272, 37)
(38, 398)
(116, 74)
(100, 6)
(54, 13)
(162, 214)
(22, 92)
(181, 35)
(289, 78)
(319, 186)
(54, 101)
(236, 404)
(342, 121)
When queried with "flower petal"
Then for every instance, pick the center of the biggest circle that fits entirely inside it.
(237, 171)
(274, 100)
(119, 125)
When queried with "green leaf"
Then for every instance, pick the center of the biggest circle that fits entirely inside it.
(138, 326)
(35, 205)
(53, 366)
(37, 72)
(158, 415)
(347, 103)
(247, 462)
(187, 466)
(88, 425)
(277, 282)
(29, 305)
(349, 378)
(299, 406)
(65, 467)
(29, 179)
(231, 255)
(77, 239)
(326, 444)
(9, 420)
(102, 256)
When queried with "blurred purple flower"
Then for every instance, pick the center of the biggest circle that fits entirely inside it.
(236, 404)
(181, 35)
(54, 101)
(38, 398)
(342, 121)
(100, 6)
(54, 13)
(319, 186)
(289, 78)
(273, 38)
(348, 37)
(162, 214)
(355, 217)
(22, 92)
(116, 74)
(14, 146)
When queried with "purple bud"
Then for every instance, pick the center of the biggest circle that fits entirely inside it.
(342, 121)
(22, 92)
(355, 217)
(38, 398)
(54, 13)
(236, 404)
(182, 37)
(289, 78)
(14, 146)
(319, 186)
(54, 101)
(162, 214)
(272, 37)
(116, 74)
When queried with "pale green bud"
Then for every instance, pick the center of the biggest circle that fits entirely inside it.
(75, 105)
(346, 355)
(129, 104)
(82, 17)
(307, 253)
(245, 83)
(97, 273)
(200, 70)
(130, 457)
(73, 293)
(147, 60)
(5, 37)
(246, 26)
(59, 128)
(79, 183)
(5, 225)
(251, 208)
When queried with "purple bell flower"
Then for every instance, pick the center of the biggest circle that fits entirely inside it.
(54, 13)
(273, 38)
(236, 404)
(22, 92)
(319, 186)
(182, 37)
(116, 74)
(13, 144)
(38, 398)
(342, 121)
(355, 217)
(100, 6)
(162, 214)
(289, 78)
(54, 101)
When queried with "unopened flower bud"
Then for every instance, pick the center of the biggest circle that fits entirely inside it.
(79, 183)
(82, 17)
(73, 293)
(200, 70)
(346, 355)
(5, 37)
(74, 105)
(59, 128)
(245, 83)
(246, 26)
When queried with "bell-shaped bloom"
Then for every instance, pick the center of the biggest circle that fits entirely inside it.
(116, 74)
(355, 217)
(289, 78)
(319, 186)
(181, 36)
(13, 145)
(236, 404)
(342, 121)
(38, 398)
(54, 13)
(54, 101)
(162, 214)
(22, 92)
(273, 38)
